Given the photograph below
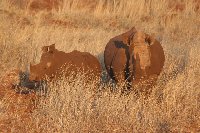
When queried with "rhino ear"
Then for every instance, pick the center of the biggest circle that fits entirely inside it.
(130, 38)
(150, 39)
(133, 29)
(45, 49)
(52, 46)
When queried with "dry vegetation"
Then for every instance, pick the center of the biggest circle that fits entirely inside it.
(173, 105)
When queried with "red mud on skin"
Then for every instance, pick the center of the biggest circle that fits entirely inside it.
(85, 62)
(15, 109)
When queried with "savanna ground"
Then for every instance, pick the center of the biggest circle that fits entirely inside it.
(173, 105)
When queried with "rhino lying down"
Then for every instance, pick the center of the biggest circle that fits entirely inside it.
(54, 63)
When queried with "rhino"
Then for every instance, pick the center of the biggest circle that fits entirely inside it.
(133, 57)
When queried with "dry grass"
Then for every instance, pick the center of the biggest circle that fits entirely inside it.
(174, 103)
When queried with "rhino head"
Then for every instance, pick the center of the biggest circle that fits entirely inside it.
(140, 52)
(45, 67)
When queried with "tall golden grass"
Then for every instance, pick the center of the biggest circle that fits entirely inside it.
(173, 105)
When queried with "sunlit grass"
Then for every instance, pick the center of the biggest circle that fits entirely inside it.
(172, 106)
